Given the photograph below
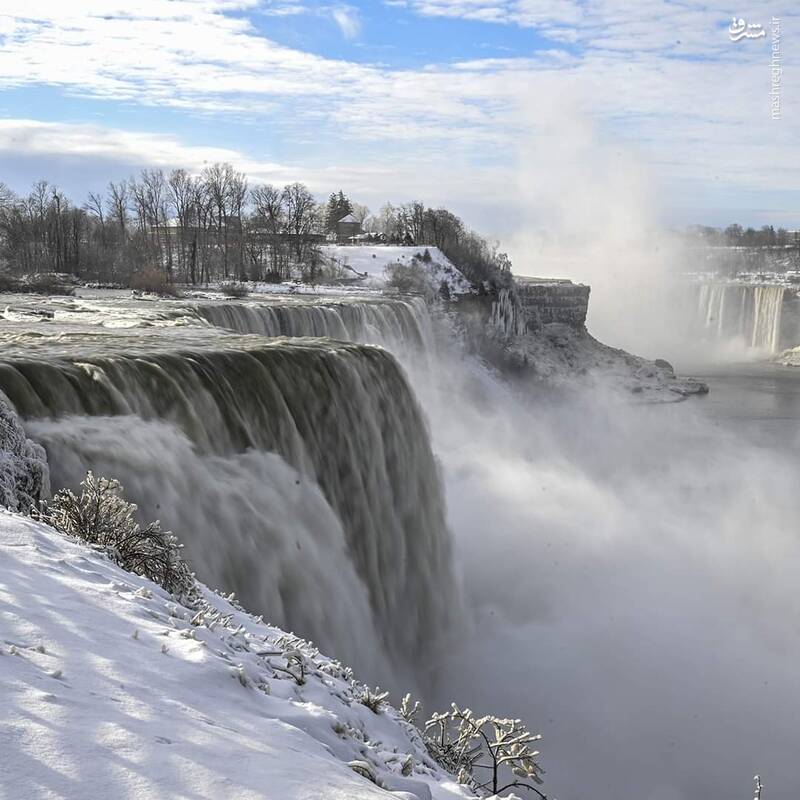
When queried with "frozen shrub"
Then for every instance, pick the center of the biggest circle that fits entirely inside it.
(102, 517)
(489, 754)
(48, 283)
(410, 709)
(410, 278)
(372, 699)
(233, 289)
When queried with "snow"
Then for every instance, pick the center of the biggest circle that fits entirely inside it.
(788, 358)
(112, 689)
(23, 463)
(371, 261)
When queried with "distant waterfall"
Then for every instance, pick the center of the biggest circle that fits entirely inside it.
(298, 473)
(751, 314)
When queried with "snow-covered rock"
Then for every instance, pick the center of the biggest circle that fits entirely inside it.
(514, 336)
(564, 355)
(112, 689)
(789, 358)
(23, 463)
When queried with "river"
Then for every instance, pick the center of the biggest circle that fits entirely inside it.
(760, 401)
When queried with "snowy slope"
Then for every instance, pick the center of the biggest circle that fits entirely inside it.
(371, 261)
(109, 689)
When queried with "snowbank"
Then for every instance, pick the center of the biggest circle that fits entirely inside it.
(111, 689)
(370, 262)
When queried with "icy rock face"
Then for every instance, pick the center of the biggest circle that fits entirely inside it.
(537, 328)
(23, 463)
(507, 315)
(545, 300)
(534, 302)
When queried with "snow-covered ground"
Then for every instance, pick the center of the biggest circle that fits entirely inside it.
(370, 261)
(564, 356)
(111, 689)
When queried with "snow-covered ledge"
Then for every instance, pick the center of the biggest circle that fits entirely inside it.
(112, 689)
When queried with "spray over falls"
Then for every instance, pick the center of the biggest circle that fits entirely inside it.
(298, 472)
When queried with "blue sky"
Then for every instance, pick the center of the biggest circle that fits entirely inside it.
(482, 105)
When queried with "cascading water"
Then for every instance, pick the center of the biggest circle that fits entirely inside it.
(629, 569)
(298, 473)
(751, 315)
(400, 321)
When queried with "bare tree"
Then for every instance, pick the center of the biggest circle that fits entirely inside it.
(301, 218)
(118, 198)
(268, 227)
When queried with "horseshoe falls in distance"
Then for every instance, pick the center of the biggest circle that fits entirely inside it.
(750, 314)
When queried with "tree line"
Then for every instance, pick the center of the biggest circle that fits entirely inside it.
(737, 236)
(195, 229)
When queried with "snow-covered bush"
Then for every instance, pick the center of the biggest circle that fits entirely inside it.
(373, 699)
(234, 289)
(48, 283)
(410, 278)
(102, 517)
(23, 463)
(489, 754)
(410, 709)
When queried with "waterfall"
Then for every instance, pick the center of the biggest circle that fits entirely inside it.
(749, 314)
(401, 322)
(768, 303)
(298, 473)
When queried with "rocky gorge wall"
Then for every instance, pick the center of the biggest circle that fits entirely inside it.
(547, 300)
(536, 328)
(525, 307)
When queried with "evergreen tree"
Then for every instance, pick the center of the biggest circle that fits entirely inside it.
(338, 207)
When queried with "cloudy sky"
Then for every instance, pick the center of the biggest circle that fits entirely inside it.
(461, 102)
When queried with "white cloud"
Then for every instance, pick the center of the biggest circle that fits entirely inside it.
(648, 25)
(190, 54)
(81, 145)
(663, 80)
(348, 20)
